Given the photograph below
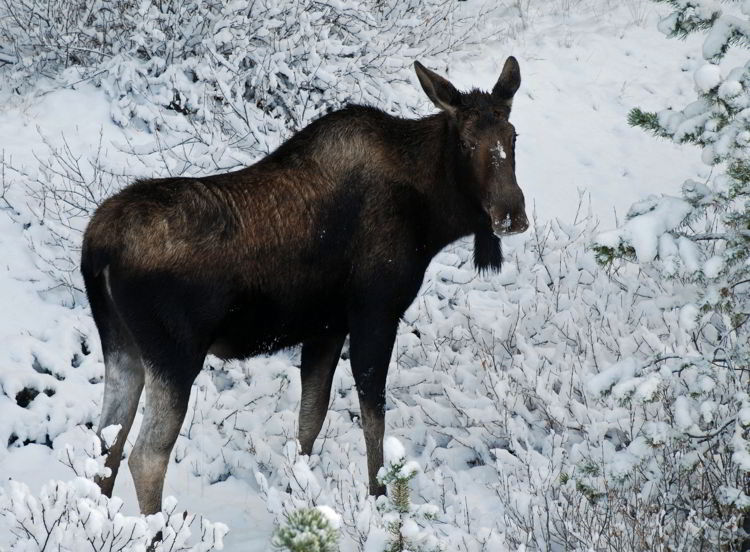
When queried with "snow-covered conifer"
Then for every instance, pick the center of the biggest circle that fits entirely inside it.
(401, 517)
(701, 241)
(308, 530)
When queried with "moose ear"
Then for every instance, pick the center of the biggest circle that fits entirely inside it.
(508, 83)
(442, 93)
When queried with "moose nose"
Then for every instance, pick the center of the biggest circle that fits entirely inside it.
(510, 224)
(520, 224)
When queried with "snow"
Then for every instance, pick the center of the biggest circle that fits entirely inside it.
(689, 254)
(498, 153)
(688, 315)
(410, 529)
(109, 434)
(721, 32)
(644, 232)
(683, 413)
(604, 381)
(393, 450)
(713, 266)
(495, 380)
(730, 89)
(329, 513)
(708, 77)
(572, 106)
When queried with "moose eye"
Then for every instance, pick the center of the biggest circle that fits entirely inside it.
(467, 145)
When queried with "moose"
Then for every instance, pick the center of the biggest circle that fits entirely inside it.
(327, 236)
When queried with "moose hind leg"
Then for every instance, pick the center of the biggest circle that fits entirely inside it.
(319, 359)
(123, 382)
(166, 405)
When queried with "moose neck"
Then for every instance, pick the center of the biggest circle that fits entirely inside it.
(444, 180)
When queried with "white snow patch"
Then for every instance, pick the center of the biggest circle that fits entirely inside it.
(498, 153)
(688, 316)
(712, 267)
(646, 225)
(330, 514)
(683, 413)
(689, 254)
(730, 89)
(109, 434)
(605, 380)
(393, 450)
(708, 77)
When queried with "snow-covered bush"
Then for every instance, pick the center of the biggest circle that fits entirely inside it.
(237, 63)
(47, 38)
(699, 243)
(65, 515)
(69, 516)
(307, 530)
(55, 200)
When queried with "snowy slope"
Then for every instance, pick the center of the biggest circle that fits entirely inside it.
(582, 72)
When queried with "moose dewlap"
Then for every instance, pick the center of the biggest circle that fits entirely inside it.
(328, 236)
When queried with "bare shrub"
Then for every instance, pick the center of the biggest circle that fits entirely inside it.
(60, 195)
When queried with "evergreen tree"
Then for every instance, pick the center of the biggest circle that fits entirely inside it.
(700, 241)
(405, 522)
(307, 530)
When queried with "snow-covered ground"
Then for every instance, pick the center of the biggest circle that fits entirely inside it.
(582, 70)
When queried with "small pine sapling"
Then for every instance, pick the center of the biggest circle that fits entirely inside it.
(308, 530)
(403, 520)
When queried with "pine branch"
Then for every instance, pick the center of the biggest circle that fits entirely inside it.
(726, 31)
(648, 121)
(686, 20)
(739, 170)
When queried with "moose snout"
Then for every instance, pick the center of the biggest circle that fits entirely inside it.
(509, 217)
(510, 224)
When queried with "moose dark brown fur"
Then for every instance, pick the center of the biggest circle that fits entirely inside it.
(328, 236)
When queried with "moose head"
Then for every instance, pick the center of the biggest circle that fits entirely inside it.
(486, 142)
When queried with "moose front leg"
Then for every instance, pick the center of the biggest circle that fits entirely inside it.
(370, 346)
(319, 359)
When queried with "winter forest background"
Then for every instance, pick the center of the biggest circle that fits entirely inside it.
(592, 396)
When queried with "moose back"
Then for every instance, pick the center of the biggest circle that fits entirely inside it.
(328, 236)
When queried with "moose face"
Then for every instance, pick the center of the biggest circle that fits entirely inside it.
(486, 142)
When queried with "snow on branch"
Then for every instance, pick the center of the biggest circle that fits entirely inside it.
(64, 515)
